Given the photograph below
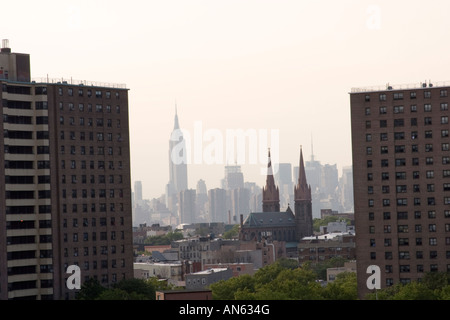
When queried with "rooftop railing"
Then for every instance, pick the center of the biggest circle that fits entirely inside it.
(417, 85)
(70, 81)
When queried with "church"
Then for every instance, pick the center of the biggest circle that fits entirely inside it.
(272, 224)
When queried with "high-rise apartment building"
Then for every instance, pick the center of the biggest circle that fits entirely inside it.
(66, 196)
(401, 179)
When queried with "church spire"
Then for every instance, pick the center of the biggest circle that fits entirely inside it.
(271, 193)
(303, 203)
(302, 190)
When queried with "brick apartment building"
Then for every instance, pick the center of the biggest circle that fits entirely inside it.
(66, 195)
(401, 176)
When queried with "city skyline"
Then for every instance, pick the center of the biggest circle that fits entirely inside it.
(258, 65)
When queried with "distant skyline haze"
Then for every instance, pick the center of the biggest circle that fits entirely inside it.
(284, 65)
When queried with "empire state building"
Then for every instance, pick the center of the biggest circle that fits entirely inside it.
(177, 164)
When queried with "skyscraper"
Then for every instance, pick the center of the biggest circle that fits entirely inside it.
(178, 180)
(187, 206)
(217, 202)
(67, 193)
(401, 180)
(284, 178)
(138, 192)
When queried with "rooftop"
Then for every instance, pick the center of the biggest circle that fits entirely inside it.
(273, 219)
(329, 236)
(212, 270)
(73, 82)
(388, 86)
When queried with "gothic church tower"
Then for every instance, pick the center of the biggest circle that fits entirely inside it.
(271, 193)
(303, 204)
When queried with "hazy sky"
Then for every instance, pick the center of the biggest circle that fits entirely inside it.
(234, 64)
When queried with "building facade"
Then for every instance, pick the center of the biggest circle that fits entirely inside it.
(401, 178)
(67, 192)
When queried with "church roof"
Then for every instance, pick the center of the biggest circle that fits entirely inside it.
(270, 219)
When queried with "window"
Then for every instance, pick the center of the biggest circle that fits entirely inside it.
(399, 149)
(399, 122)
(398, 109)
(398, 95)
(400, 162)
(403, 255)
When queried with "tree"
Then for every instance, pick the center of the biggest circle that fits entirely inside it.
(126, 289)
(344, 287)
(163, 239)
(232, 233)
(434, 286)
(90, 290)
(282, 280)
(119, 294)
(233, 288)
(321, 267)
